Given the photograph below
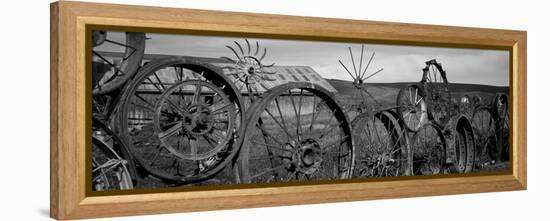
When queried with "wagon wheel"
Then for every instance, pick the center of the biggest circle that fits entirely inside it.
(428, 150)
(412, 107)
(460, 143)
(109, 75)
(182, 119)
(501, 108)
(436, 89)
(112, 166)
(381, 146)
(289, 137)
(484, 125)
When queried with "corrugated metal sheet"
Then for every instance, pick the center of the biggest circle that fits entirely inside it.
(283, 74)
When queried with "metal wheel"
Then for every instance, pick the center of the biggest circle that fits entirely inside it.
(111, 74)
(501, 108)
(436, 89)
(428, 150)
(484, 125)
(412, 106)
(182, 119)
(296, 132)
(381, 145)
(112, 167)
(460, 144)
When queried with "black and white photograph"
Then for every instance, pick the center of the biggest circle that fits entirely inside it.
(182, 110)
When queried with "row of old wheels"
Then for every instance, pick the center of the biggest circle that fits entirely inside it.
(466, 135)
(183, 121)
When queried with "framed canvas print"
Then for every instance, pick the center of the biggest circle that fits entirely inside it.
(159, 110)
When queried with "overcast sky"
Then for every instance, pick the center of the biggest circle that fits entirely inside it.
(400, 63)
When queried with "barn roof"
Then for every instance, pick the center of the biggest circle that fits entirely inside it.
(283, 73)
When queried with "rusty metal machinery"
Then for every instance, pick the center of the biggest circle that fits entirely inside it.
(112, 165)
(380, 134)
(111, 75)
(428, 150)
(412, 106)
(501, 108)
(182, 119)
(381, 145)
(290, 137)
(484, 125)
(436, 88)
(248, 68)
(459, 138)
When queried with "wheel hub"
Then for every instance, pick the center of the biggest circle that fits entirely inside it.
(198, 120)
(306, 156)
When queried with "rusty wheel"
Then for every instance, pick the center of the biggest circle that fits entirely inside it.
(436, 89)
(111, 74)
(112, 166)
(500, 104)
(181, 119)
(428, 150)
(296, 132)
(381, 145)
(412, 107)
(459, 138)
(484, 125)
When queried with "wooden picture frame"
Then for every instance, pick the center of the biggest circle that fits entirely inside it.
(69, 103)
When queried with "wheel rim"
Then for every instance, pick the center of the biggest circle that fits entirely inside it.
(155, 124)
(183, 122)
(297, 132)
(437, 92)
(412, 107)
(381, 146)
(501, 106)
(111, 74)
(112, 166)
(485, 136)
(428, 150)
(460, 143)
(109, 170)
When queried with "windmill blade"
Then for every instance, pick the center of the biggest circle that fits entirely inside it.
(368, 64)
(268, 66)
(263, 55)
(346, 69)
(353, 62)
(247, 46)
(234, 52)
(361, 61)
(365, 79)
(240, 48)
(257, 49)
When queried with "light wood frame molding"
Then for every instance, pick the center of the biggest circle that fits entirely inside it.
(68, 107)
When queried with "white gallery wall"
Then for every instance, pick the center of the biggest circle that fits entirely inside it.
(24, 109)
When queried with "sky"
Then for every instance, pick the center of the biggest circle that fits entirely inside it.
(400, 63)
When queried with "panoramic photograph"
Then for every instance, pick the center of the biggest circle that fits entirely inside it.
(173, 110)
